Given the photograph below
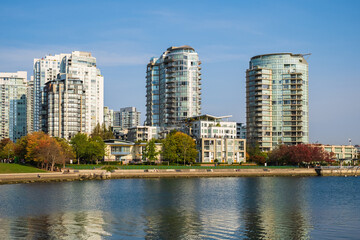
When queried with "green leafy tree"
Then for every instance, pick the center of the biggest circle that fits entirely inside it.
(179, 147)
(20, 148)
(95, 149)
(150, 152)
(102, 132)
(169, 148)
(80, 144)
(7, 149)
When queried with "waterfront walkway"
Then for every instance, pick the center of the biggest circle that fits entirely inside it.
(150, 173)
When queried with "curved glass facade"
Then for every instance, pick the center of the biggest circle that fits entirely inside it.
(277, 100)
(173, 87)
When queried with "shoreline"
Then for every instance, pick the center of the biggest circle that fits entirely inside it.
(80, 175)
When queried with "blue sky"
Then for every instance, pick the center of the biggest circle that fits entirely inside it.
(124, 35)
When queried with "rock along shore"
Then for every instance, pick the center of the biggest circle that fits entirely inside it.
(79, 175)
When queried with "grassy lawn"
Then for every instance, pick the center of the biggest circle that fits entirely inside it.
(17, 168)
(99, 166)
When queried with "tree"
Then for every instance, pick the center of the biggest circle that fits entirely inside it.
(4, 142)
(179, 146)
(42, 149)
(49, 152)
(34, 142)
(102, 132)
(280, 155)
(79, 143)
(7, 149)
(299, 154)
(66, 149)
(20, 148)
(256, 155)
(95, 149)
(169, 148)
(150, 152)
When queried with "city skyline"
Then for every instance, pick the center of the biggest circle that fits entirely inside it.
(225, 37)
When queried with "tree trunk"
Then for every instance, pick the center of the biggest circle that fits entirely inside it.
(52, 166)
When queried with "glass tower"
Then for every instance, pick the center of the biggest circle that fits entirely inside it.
(13, 105)
(277, 100)
(173, 87)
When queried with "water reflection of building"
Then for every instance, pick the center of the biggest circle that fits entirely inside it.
(172, 213)
(276, 208)
(68, 225)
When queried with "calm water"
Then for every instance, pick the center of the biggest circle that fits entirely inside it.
(204, 208)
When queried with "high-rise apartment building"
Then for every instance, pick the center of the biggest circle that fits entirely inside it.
(127, 117)
(108, 117)
(173, 87)
(30, 106)
(277, 97)
(79, 89)
(65, 103)
(13, 102)
(45, 69)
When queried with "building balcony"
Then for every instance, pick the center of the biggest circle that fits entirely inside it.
(170, 97)
(170, 86)
(120, 153)
(170, 106)
(168, 59)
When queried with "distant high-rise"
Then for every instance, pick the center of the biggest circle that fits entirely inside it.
(13, 105)
(173, 87)
(277, 98)
(30, 105)
(108, 117)
(127, 117)
(74, 101)
(45, 69)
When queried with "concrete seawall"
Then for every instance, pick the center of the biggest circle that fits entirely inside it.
(80, 175)
(150, 173)
(346, 172)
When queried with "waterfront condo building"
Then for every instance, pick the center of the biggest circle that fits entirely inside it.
(74, 101)
(277, 98)
(127, 117)
(65, 107)
(340, 152)
(173, 87)
(45, 69)
(216, 139)
(13, 107)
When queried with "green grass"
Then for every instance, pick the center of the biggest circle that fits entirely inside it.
(85, 166)
(17, 168)
(99, 166)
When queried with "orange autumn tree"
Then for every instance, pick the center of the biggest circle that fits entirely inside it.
(44, 150)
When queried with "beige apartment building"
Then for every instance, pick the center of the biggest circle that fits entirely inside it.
(341, 152)
(225, 150)
(126, 151)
